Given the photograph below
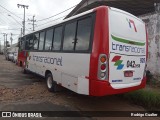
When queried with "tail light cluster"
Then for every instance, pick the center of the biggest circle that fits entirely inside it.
(102, 67)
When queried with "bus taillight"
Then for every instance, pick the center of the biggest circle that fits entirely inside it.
(102, 67)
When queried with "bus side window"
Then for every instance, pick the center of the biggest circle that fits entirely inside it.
(69, 36)
(36, 39)
(57, 38)
(48, 41)
(41, 41)
(20, 44)
(29, 42)
(26, 42)
(23, 43)
(83, 34)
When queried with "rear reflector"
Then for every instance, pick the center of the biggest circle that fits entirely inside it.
(128, 73)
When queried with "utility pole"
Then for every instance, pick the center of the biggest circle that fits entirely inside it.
(32, 20)
(21, 32)
(24, 7)
(11, 38)
(6, 40)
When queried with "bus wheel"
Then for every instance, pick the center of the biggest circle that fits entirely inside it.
(51, 85)
(25, 71)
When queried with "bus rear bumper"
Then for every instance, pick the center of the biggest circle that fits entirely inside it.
(102, 88)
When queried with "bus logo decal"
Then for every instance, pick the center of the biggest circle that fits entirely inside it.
(118, 62)
(48, 60)
(131, 22)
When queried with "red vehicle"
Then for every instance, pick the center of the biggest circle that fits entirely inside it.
(22, 54)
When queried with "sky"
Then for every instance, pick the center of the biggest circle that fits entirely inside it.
(11, 19)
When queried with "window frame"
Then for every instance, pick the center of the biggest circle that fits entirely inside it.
(50, 28)
(30, 40)
(38, 41)
(70, 22)
(60, 25)
(89, 36)
(44, 39)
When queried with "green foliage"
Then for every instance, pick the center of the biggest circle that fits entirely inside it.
(145, 97)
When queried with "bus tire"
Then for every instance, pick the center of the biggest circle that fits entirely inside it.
(51, 84)
(25, 71)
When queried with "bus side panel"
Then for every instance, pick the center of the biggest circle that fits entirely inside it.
(100, 46)
(68, 69)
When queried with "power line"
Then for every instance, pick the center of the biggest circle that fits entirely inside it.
(11, 29)
(10, 11)
(15, 20)
(5, 19)
(52, 20)
(16, 13)
(56, 14)
(12, 18)
(2, 21)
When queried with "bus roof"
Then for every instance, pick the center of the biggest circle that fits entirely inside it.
(81, 14)
(65, 20)
(124, 12)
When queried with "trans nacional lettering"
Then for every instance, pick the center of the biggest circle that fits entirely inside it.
(127, 48)
(48, 60)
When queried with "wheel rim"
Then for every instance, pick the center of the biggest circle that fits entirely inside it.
(49, 82)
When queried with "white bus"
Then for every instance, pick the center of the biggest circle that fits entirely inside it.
(99, 52)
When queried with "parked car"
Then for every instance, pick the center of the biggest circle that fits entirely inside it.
(7, 55)
(15, 54)
(1, 52)
(10, 56)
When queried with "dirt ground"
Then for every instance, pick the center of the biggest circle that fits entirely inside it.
(28, 92)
